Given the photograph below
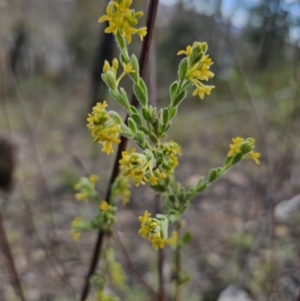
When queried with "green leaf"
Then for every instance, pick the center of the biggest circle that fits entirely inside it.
(115, 95)
(132, 125)
(173, 112)
(144, 130)
(140, 95)
(123, 59)
(183, 67)
(120, 40)
(141, 138)
(201, 188)
(166, 116)
(133, 110)
(153, 138)
(179, 98)
(212, 175)
(187, 237)
(166, 127)
(137, 119)
(173, 90)
(116, 117)
(124, 98)
(143, 86)
(145, 114)
(136, 68)
(236, 158)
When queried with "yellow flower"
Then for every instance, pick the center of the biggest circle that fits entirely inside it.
(154, 229)
(235, 147)
(104, 129)
(128, 69)
(187, 51)
(113, 68)
(201, 90)
(142, 32)
(157, 241)
(82, 196)
(198, 68)
(104, 206)
(244, 146)
(122, 18)
(254, 156)
(144, 218)
(94, 178)
(138, 167)
(170, 152)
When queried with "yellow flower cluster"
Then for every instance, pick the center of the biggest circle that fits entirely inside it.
(198, 68)
(104, 129)
(144, 168)
(123, 19)
(151, 229)
(138, 167)
(104, 206)
(240, 145)
(170, 152)
(110, 73)
(86, 188)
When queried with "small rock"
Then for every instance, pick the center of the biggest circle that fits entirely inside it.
(234, 293)
(285, 211)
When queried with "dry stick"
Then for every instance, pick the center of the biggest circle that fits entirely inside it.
(143, 63)
(4, 244)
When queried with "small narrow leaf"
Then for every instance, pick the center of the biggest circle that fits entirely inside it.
(145, 114)
(183, 67)
(132, 125)
(179, 98)
(137, 119)
(173, 112)
(173, 90)
(140, 95)
(166, 116)
(143, 86)
(136, 68)
(133, 110)
(212, 175)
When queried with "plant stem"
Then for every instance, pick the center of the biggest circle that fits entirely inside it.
(122, 146)
(160, 260)
(177, 266)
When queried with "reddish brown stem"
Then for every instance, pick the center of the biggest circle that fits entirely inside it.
(122, 146)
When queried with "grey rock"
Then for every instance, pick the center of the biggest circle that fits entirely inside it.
(285, 211)
(234, 293)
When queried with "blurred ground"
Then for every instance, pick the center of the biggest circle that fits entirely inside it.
(236, 238)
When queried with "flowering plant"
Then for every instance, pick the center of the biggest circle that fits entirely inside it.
(155, 162)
